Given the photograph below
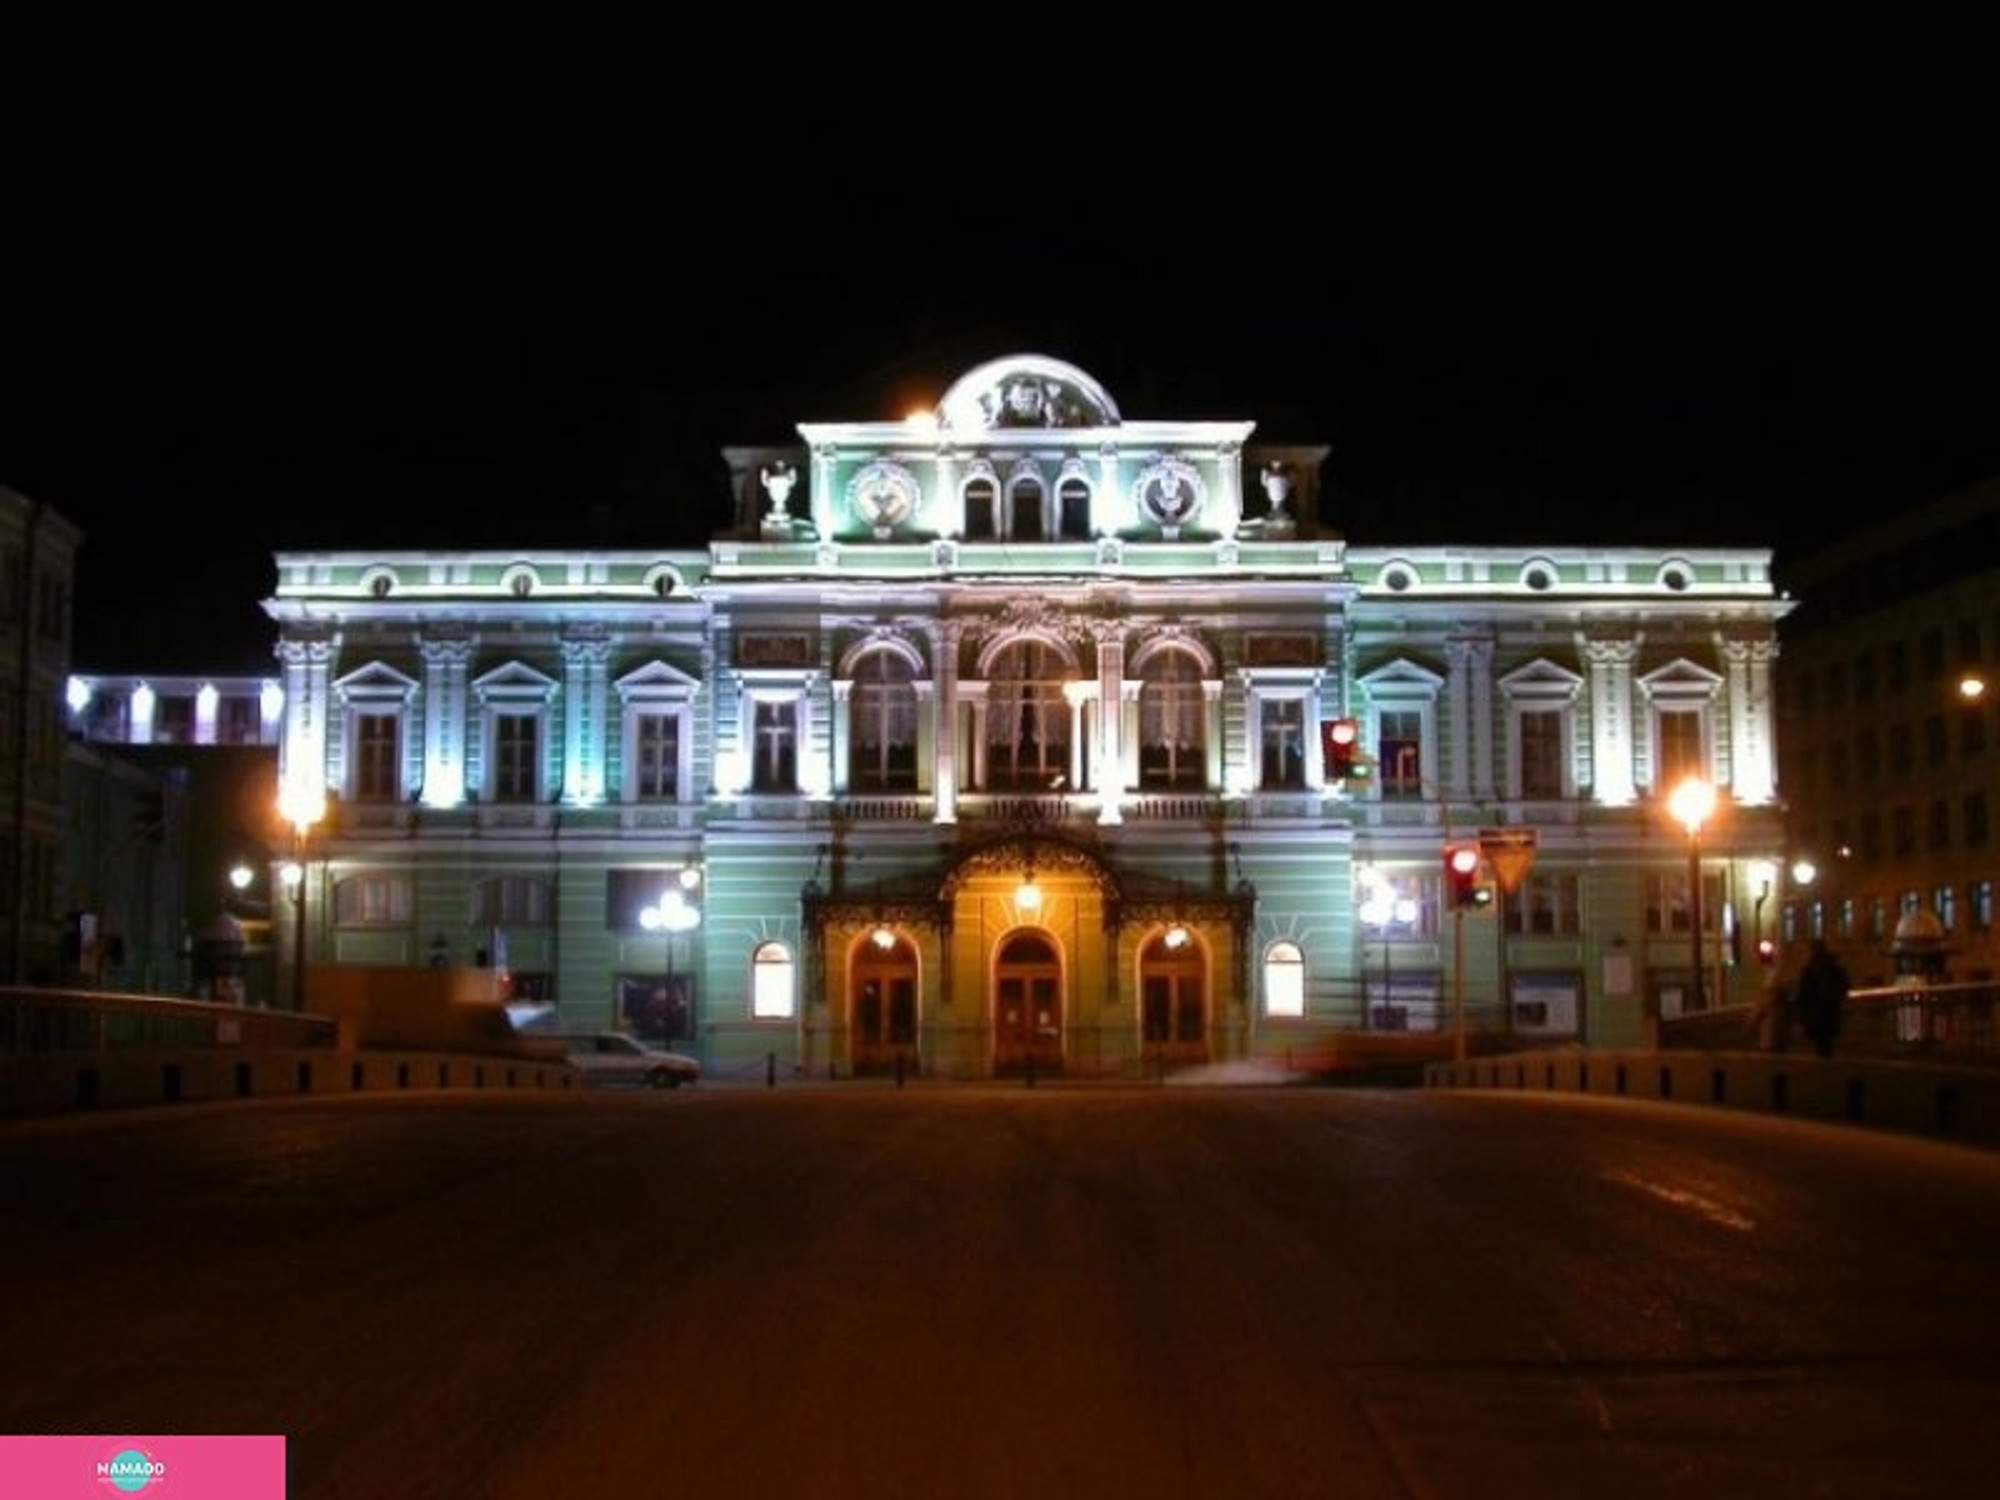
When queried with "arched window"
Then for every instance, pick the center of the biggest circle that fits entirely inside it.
(1073, 509)
(1026, 521)
(882, 747)
(1284, 980)
(773, 978)
(1172, 750)
(1027, 724)
(981, 510)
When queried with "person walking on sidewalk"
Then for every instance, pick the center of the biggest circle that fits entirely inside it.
(1821, 996)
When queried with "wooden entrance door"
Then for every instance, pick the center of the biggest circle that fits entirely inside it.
(884, 1023)
(1027, 1006)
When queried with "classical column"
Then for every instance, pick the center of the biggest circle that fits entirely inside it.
(307, 663)
(1108, 773)
(1108, 506)
(1472, 762)
(843, 732)
(945, 636)
(1753, 778)
(586, 698)
(446, 660)
(1610, 660)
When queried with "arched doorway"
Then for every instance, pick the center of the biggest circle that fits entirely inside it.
(1173, 999)
(883, 1023)
(1027, 1005)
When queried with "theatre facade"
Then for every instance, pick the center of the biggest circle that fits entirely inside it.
(1026, 737)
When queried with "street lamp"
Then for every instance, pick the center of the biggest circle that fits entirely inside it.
(1691, 804)
(674, 914)
(1382, 910)
(301, 808)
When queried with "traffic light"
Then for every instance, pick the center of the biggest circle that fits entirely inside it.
(1340, 740)
(1767, 950)
(1461, 874)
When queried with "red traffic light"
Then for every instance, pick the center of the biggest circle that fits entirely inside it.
(1461, 869)
(1340, 744)
(1767, 951)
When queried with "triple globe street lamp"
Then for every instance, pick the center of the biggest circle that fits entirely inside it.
(676, 912)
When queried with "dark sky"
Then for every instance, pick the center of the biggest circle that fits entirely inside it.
(1758, 373)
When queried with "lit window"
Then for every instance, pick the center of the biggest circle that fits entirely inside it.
(1284, 980)
(771, 982)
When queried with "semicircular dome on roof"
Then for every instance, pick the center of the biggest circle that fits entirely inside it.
(1026, 390)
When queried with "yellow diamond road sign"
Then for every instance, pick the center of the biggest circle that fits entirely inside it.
(1510, 851)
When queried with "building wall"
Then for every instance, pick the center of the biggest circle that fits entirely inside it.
(1891, 622)
(877, 539)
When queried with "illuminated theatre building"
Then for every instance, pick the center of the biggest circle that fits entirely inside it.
(1004, 743)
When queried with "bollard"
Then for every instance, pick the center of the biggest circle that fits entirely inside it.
(770, 1070)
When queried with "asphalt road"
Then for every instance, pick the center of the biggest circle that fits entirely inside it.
(971, 1291)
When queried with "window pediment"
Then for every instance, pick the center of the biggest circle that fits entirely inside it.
(515, 682)
(654, 681)
(376, 683)
(1542, 680)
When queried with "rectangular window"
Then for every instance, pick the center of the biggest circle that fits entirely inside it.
(1902, 749)
(1981, 902)
(240, 722)
(656, 751)
(1400, 743)
(1864, 677)
(372, 901)
(1897, 671)
(1679, 733)
(1903, 831)
(516, 752)
(1868, 755)
(514, 901)
(1944, 901)
(1546, 905)
(1974, 820)
(173, 721)
(774, 749)
(376, 745)
(1667, 906)
(1937, 740)
(1937, 825)
(1283, 723)
(1930, 652)
(1541, 754)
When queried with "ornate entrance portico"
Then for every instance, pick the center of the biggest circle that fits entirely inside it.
(1029, 955)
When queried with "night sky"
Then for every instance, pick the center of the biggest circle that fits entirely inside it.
(1743, 378)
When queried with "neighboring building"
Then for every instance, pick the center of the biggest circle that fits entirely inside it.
(1007, 740)
(38, 550)
(173, 786)
(1891, 773)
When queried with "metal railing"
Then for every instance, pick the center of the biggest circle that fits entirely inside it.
(1943, 1023)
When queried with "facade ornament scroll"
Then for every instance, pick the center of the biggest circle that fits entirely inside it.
(1171, 493)
(885, 495)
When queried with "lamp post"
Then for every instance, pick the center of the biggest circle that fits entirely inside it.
(1384, 910)
(301, 808)
(674, 914)
(1691, 804)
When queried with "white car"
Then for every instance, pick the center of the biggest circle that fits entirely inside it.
(610, 1058)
